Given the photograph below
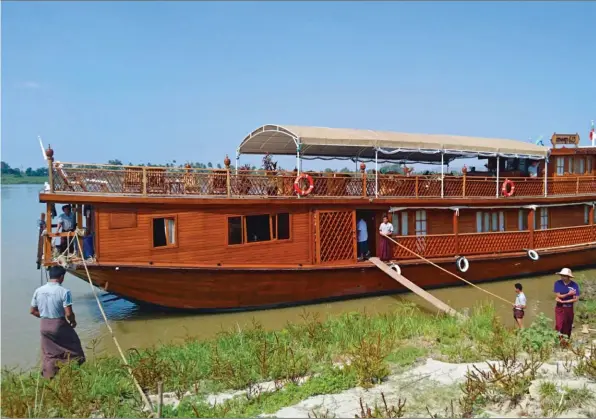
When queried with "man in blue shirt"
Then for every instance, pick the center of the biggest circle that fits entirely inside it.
(566, 294)
(52, 303)
(362, 239)
(66, 223)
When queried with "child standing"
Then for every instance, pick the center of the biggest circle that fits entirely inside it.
(520, 305)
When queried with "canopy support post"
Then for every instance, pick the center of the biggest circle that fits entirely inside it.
(545, 177)
(497, 186)
(442, 173)
(376, 173)
(297, 142)
(237, 159)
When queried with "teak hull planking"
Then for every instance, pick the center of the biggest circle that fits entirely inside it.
(229, 289)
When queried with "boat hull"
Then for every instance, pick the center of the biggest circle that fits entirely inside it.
(221, 289)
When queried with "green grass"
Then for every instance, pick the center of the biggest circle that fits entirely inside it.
(23, 180)
(239, 360)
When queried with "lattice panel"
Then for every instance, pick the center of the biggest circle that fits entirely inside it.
(396, 185)
(428, 246)
(528, 187)
(481, 187)
(453, 186)
(562, 186)
(429, 186)
(563, 236)
(587, 185)
(479, 243)
(336, 236)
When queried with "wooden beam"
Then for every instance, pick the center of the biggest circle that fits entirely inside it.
(531, 218)
(456, 230)
(415, 288)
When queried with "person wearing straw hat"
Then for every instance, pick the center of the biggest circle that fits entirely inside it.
(566, 294)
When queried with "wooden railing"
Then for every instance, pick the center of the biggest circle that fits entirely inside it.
(446, 245)
(136, 180)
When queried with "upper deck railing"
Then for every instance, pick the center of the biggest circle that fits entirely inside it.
(232, 183)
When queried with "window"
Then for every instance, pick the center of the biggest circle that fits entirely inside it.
(421, 223)
(581, 166)
(235, 235)
(560, 166)
(571, 165)
(487, 221)
(404, 223)
(586, 214)
(543, 218)
(523, 220)
(258, 228)
(164, 232)
(589, 165)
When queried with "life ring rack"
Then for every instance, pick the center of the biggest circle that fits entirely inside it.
(533, 254)
(298, 189)
(462, 264)
(510, 191)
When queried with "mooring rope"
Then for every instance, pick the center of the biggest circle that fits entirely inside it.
(449, 272)
(105, 319)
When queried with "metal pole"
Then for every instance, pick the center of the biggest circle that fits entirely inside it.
(237, 159)
(545, 176)
(497, 192)
(298, 157)
(442, 173)
(376, 173)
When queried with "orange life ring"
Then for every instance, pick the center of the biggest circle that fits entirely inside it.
(298, 189)
(511, 190)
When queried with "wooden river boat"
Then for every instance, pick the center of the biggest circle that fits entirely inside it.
(234, 238)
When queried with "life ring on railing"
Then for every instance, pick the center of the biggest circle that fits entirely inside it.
(396, 268)
(298, 189)
(533, 254)
(462, 264)
(511, 190)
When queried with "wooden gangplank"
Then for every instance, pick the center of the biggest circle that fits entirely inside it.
(415, 288)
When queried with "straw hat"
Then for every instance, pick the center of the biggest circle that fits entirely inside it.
(565, 272)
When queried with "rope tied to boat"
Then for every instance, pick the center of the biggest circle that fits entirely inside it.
(449, 272)
(144, 397)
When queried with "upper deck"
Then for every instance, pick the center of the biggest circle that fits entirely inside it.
(571, 173)
(229, 183)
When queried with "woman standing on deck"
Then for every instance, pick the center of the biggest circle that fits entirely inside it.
(385, 229)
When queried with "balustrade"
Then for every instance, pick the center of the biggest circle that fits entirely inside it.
(104, 179)
(444, 245)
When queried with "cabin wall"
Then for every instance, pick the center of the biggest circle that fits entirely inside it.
(201, 238)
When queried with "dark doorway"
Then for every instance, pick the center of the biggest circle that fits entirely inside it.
(370, 217)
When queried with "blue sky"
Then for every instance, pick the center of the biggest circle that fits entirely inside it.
(153, 81)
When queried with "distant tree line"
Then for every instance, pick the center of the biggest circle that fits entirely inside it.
(43, 171)
(7, 170)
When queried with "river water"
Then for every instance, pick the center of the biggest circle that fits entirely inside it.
(136, 328)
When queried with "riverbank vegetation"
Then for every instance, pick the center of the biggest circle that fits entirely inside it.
(16, 176)
(245, 373)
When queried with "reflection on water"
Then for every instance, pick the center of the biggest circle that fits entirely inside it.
(136, 328)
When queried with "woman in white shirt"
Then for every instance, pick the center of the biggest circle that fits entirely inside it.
(385, 229)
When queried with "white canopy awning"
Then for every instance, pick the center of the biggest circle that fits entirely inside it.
(351, 143)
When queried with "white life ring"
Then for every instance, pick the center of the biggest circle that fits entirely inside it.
(462, 264)
(532, 254)
(396, 268)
